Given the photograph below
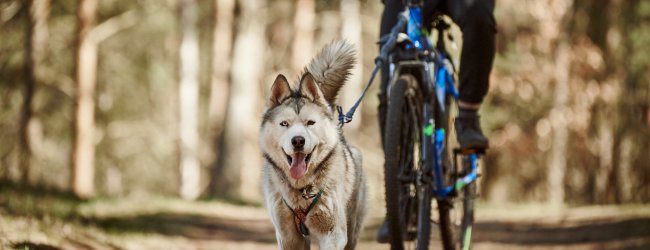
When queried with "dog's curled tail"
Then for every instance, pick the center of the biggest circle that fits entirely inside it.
(331, 68)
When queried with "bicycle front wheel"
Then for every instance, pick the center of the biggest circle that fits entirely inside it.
(408, 204)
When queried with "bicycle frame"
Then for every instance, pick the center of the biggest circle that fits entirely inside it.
(436, 78)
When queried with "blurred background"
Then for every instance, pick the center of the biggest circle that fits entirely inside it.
(104, 101)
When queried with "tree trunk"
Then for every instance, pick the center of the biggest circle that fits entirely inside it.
(303, 40)
(221, 55)
(83, 155)
(557, 166)
(558, 159)
(634, 102)
(37, 34)
(189, 100)
(351, 31)
(238, 171)
(606, 155)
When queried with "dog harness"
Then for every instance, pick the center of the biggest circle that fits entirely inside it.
(300, 215)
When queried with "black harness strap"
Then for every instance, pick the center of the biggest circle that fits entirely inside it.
(300, 215)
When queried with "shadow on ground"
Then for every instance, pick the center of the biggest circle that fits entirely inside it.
(33, 246)
(545, 234)
(626, 233)
(197, 227)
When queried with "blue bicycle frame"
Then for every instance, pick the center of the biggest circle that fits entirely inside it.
(439, 73)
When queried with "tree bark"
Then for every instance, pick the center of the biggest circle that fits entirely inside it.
(557, 166)
(238, 171)
(303, 40)
(633, 127)
(558, 160)
(221, 55)
(35, 46)
(83, 155)
(189, 97)
(606, 156)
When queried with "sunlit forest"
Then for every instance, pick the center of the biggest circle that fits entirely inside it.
(134, 124)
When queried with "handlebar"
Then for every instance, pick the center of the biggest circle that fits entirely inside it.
(389, 42)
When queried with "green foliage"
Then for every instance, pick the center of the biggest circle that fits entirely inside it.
(40, 202)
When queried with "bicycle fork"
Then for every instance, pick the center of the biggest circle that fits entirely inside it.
(433, 149)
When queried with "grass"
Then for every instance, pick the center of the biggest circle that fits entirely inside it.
(37, 201)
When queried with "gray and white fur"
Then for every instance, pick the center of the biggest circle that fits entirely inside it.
(305, 151)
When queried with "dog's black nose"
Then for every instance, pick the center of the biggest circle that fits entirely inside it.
(298, 142)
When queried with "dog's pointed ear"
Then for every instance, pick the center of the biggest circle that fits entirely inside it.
(310, 89)
(279, 91)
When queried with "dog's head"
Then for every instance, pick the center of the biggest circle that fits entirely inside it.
(298, 129)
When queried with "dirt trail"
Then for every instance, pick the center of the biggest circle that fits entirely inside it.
(496, 228)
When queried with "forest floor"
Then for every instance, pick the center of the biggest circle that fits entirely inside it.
(61, 222)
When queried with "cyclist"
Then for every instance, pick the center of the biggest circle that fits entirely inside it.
(476, 21)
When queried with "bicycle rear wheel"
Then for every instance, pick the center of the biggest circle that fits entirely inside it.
(408, 204)
(469, 194)
(457, 213)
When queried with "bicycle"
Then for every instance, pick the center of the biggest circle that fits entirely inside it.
(418, 167)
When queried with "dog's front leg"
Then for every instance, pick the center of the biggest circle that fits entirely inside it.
(287, 236)
(337, 237)
(285, 232)
(334, 240)
(290, 242)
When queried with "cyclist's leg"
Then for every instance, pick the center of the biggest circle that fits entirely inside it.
(476, 21)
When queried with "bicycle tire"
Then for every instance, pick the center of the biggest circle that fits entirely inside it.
(469, 194)
(424, 217)
(458, 237)
(445, 224)
(399, 205)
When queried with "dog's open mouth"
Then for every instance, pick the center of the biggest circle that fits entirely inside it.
(298, 163)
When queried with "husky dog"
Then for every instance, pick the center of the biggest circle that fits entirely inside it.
(313, 183)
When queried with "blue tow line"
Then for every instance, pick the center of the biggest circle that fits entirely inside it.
(347, 117)
(379, 61)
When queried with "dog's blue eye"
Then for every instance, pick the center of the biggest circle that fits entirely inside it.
(284, 124)
(310, 122)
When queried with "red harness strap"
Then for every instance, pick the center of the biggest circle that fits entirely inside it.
(300, 215)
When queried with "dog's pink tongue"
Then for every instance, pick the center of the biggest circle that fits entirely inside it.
(298, 166)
